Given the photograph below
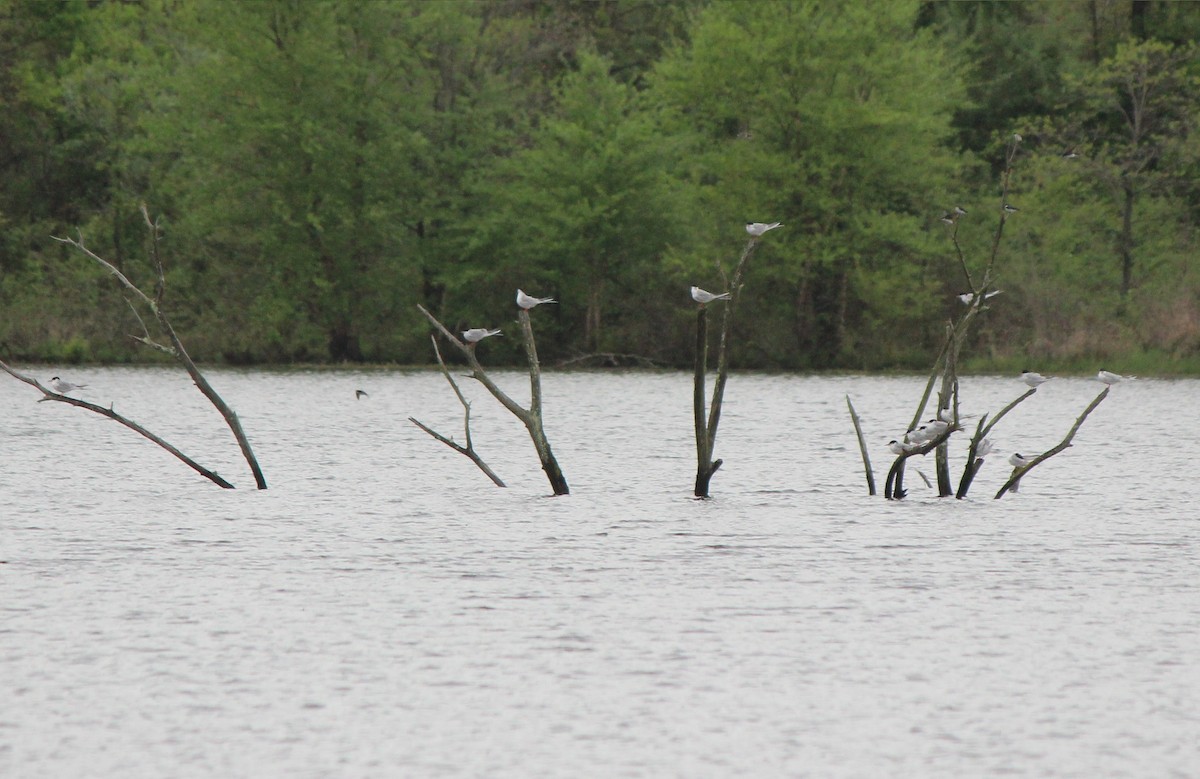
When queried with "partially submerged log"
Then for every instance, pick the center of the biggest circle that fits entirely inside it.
(48, 394)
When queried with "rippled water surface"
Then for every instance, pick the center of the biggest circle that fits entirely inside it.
(383, 610)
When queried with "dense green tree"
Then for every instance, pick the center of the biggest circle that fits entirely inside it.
(833, 119)
(587, 211)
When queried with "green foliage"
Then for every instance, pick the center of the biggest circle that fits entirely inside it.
(319, 167)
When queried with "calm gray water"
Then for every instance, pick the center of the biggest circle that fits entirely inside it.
(383, 610)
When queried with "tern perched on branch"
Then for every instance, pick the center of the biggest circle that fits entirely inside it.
(1017, 461)
(63, 387)
(756, 229)
(967, 298)
(702, 296)
(529, 301)
(477, 334)
(1034, 380)
(1110, 378)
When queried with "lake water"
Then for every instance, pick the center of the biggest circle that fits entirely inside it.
(384, 610)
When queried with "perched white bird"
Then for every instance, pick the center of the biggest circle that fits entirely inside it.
(529, 301)
(756, 229)
(984, 448)
(899, 447)
(1010, 209)
(477, 334)
(1034, 380)
(935, 427)
(1112, 378)
(701, 296)
(1017, 137)
(968, 298)
(917, 435)
(63, 387)
(1017, 461)
(947, 218)
(960, 210)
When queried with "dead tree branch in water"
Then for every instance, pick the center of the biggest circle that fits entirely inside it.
(468, 450)
(530, 417)
(1019, 472)
(176, 348)
(974, 463)
(706, 429)
(113, 415)
(862, 447)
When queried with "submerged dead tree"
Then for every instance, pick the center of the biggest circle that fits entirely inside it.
(706, 425)
(530, 417)
(468, 450)
(175, 348)
(1014, 480)
(935, 434)
(48, 394)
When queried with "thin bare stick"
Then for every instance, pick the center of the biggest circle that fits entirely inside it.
(108, 412)
(469, 449)
(862, 447)
(1018, 472)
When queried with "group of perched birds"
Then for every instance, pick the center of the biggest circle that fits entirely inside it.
(477, 334)
(933, 429)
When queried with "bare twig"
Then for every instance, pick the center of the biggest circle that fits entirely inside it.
(469, 449)
(108, 412)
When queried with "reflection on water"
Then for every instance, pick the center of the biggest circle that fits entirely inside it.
(384, 610)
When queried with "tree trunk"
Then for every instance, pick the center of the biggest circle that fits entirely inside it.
(1127, 240)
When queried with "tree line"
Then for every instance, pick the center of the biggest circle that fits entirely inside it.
(321, 168)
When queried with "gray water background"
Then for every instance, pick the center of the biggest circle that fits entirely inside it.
(383, 610)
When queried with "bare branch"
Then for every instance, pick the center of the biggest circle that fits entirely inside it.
(108, 412)
(862, 447)
(1014, 480)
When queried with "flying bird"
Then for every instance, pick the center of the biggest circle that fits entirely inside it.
(63, 387)
(702, 297)
(1110, 378)
(756, 229)
(477, 334)
(984, 448)
(529, 301)
(1017, 461)
(1034, 380)
(360, 394)
(968, 298)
